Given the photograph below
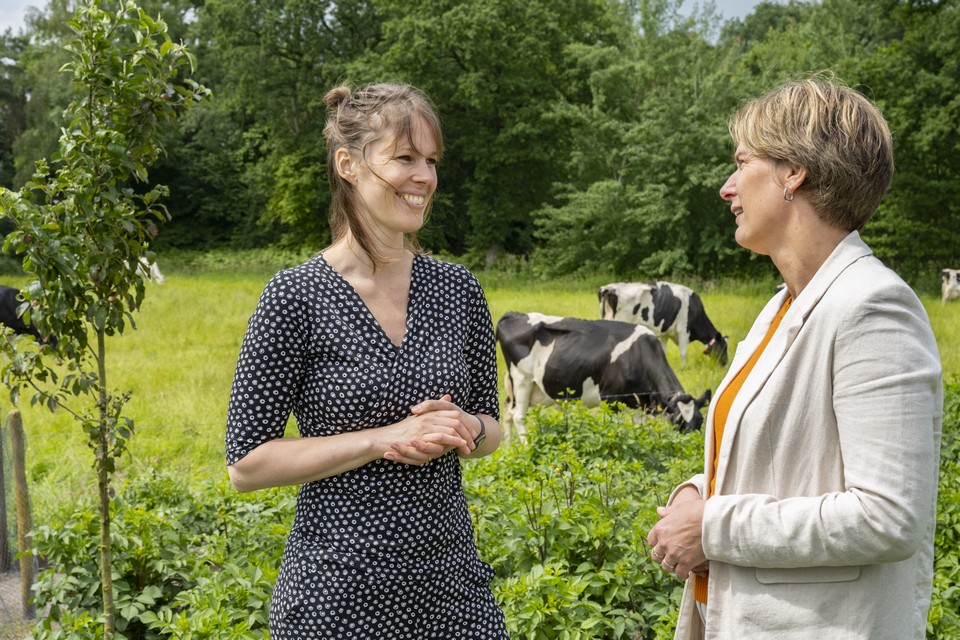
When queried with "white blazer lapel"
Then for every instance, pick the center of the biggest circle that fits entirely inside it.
(769, 359)
(744, 350)
(847, 252)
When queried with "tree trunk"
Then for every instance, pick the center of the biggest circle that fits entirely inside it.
(24, 520)
(106, 578)
(4, 542)
(103, 484)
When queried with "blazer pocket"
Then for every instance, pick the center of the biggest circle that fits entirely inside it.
(807, 575)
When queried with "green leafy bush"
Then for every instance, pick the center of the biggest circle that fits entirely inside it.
(562, 519)
(187, 564)
(944, 619)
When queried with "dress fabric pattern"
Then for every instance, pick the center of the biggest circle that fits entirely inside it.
(385, 550)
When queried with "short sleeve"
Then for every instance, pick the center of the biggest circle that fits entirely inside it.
(481, 353)
(269, 369)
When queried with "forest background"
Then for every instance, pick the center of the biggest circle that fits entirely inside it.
(582, 136)
(586, 141)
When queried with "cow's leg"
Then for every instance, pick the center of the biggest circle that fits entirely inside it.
(683, 339)
(591, 393)
(664, 339)
(506, 426)
(522, 387)
(517, 388)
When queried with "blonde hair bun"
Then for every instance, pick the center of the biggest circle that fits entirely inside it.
(336, 97)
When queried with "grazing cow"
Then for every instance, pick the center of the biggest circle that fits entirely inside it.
(950, 285)
(549, 358)
(670, 310)
(148, 270)
(9, 302)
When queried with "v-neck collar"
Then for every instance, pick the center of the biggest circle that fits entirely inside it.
(372, 319)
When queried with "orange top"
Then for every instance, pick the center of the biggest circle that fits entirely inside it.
(720, 414)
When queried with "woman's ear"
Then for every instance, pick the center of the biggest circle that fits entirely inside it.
(794, 177)
(345, 165)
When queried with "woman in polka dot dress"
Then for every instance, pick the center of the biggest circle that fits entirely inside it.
(387, 360)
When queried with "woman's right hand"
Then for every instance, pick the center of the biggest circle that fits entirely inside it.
(420, 438)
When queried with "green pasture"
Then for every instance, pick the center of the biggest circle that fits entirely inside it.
(180, 361)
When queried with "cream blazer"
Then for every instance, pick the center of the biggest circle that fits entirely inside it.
(822, 526)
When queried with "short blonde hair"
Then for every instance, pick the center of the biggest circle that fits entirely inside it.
(357, 119)
(832, 131)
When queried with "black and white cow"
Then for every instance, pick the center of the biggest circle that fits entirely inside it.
(950, 285)
(550, 358)
(147, 270)
(671, 310)
(9, 302)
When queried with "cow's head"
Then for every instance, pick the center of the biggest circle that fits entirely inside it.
(684, 411)
(717, 348)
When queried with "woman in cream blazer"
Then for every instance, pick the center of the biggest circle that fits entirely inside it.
(815, 514)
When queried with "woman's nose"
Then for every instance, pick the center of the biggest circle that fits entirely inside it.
(425, 172)
(729, 188)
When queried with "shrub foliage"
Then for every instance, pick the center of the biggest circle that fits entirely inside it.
(562, 519)
(188, 564)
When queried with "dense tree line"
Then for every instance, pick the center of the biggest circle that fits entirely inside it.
(582, 135)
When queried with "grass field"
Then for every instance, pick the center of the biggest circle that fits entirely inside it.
(180, 361)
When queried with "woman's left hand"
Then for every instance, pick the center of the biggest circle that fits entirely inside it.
(676, 540)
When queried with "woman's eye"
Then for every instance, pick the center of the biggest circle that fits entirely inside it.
(432, 162)
(404, 158)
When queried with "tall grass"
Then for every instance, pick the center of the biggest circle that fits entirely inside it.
(179, 365)
(180, 361)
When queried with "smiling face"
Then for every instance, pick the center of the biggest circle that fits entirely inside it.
(396, 179)
(834, 135)
(755, 193)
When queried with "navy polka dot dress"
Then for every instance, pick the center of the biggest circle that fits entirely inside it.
(385, 550)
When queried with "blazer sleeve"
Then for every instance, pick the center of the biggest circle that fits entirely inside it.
(887, 400)
(698, 482)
